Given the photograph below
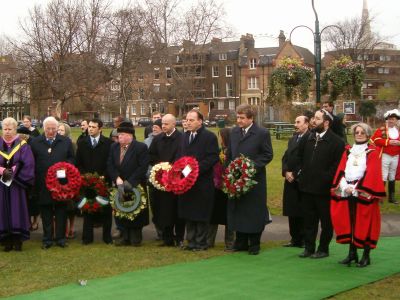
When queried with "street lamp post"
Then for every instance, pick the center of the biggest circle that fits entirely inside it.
(317, 51)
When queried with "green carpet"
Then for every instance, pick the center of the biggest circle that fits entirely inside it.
(274, 274)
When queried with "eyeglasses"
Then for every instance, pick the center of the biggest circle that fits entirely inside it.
(359, 132)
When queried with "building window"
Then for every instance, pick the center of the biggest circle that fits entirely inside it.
(231, 104)
(222, 56)
(383, 70)
(215, 71)
(156, 88)
(252, 83)
(253, 101)
(115, 85)
(253, 63)
(229, 71)
(215, 89)
(156, 73)
(362, 57)
(229, 89)
(133, 109)
(169, 72)
(384, 58)
(142, 109)
(140, 77)
(221, 104)
(141, 93)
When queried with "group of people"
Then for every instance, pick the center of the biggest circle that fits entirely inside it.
(326, 181)
(336, 185)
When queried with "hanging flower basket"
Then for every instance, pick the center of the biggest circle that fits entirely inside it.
(343, 77)
(289, 79)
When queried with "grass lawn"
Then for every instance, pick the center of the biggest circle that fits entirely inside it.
(35, 269)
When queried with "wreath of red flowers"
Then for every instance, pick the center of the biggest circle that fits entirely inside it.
(238, 177)
(59, 191)
(94, 193)
(177, 182)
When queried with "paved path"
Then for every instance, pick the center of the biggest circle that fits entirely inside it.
(277, 231)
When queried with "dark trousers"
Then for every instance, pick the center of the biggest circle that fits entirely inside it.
(317, 209)
(170, 237)
(247, 241)
(132, 236)
(89, 220)
(296, 230)
(196, 234)
(54, 213)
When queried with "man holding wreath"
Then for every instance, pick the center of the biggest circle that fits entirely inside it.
(248, 214)
(49, 149)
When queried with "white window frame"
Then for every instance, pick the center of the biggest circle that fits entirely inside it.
(252, 63)
(221, 104)
(142, 109)
(156, 87)
(253, 101)
(228, 71)
(223, 56)
(229, 89)
(252, 83)
(232, 104)
(215, 90)
(133, 109)
(215, 71)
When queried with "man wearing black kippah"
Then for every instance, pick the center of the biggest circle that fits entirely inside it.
(319, 156)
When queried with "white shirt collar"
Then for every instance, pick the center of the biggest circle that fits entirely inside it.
(247, 128)
(171, 132)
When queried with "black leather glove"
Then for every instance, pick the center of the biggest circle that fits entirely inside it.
(127, 186)
(7, 175)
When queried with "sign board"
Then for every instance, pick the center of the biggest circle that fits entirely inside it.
(349, 108)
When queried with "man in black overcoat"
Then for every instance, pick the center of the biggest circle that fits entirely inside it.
(291, 193)
(127, 166)
(249, 214)
(196, 205)
(336, 126)
(164, 148)
(91, 157)
(319, 156)
(49, 149)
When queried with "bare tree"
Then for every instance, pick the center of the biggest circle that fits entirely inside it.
(355, 39)
(60, 51)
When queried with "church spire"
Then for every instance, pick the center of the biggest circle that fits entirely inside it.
(365, 19)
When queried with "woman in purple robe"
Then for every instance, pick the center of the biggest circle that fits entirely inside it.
(17, 169)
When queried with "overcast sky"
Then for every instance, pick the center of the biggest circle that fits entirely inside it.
(264, 18)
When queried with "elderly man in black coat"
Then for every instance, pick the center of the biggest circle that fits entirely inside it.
(91, 157)
(249, 214)
(49, 149)
(164, 148)
(127, 166)
(319, 157)
(196, 205)
(291, 193)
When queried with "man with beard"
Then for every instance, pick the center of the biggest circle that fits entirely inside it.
(319, 157)
(291, 193)
(164, 148)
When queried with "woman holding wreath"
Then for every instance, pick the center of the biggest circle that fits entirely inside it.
(357, 189)
(48, 150)
(17, 174)
(127, 166)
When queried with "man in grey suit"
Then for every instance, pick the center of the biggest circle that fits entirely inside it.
(249, 214)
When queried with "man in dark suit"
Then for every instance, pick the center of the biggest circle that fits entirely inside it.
(91, 157)
(336, 126)
(249, 214)
(49, 149)
(84, 130)
(127, 166)
(319, 156)
(291, 193)
(164, 148)
(195, 206)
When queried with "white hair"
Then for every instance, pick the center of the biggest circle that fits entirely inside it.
(50, 120)
(10, 121)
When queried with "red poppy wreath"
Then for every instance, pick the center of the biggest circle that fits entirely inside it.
(183, 175)
(67, 172)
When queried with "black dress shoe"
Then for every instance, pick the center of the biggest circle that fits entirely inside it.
(8, 248)
(319, 254)
(254, 252)
(187, 248)
(306, 253)
(46, 246)
(291, 244)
